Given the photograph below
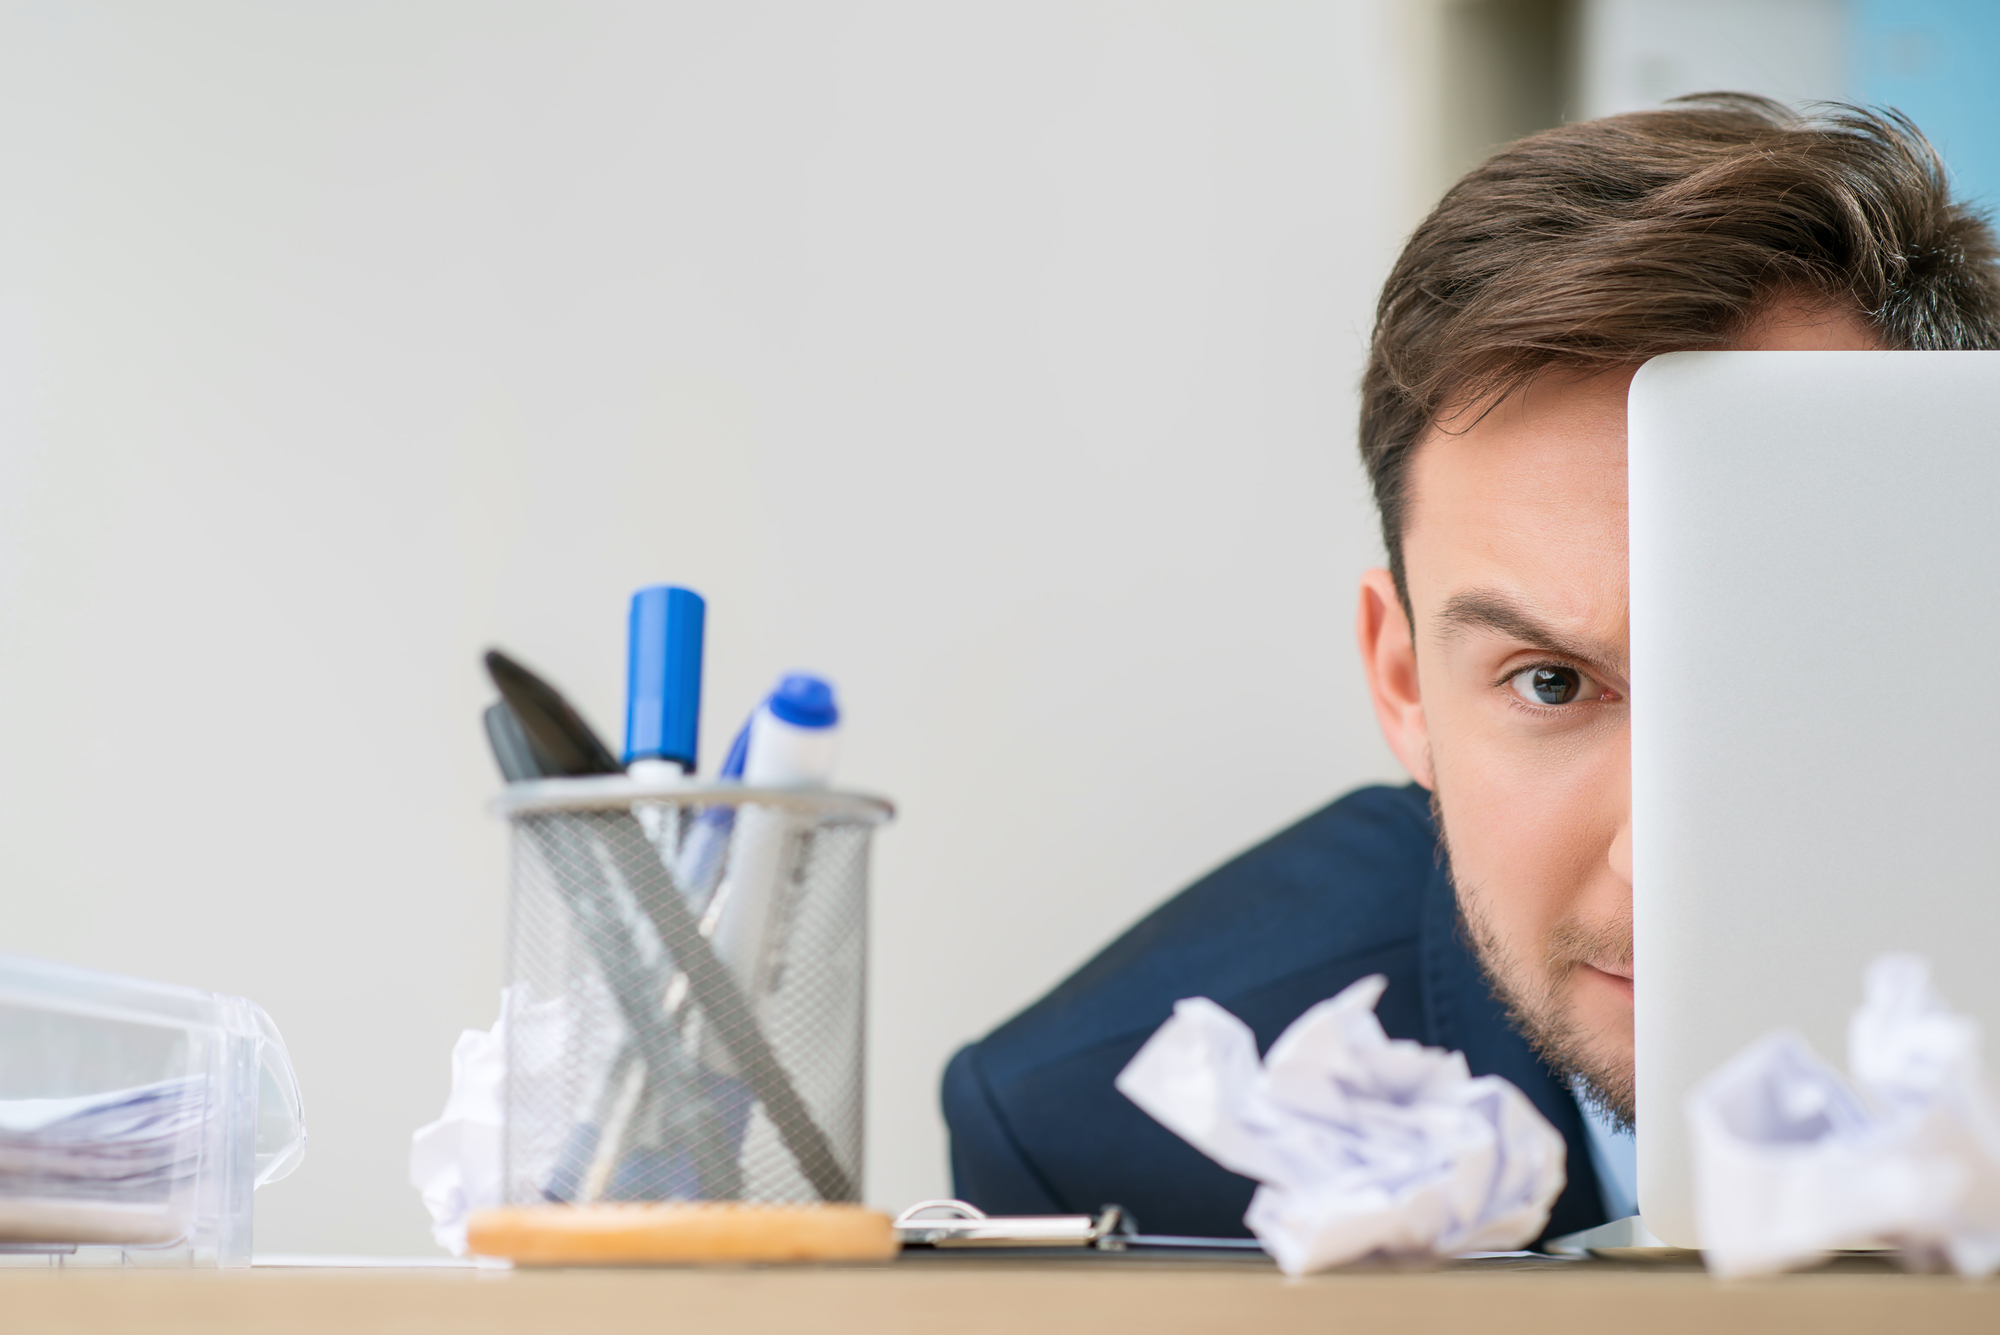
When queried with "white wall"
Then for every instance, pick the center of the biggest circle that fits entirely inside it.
(995, 359)
(1638, 53)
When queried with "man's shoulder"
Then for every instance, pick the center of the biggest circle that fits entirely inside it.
(1345, 883)
(1037, 1123)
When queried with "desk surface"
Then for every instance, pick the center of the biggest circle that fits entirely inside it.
(973, 1295)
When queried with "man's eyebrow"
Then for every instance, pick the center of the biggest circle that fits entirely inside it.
(1485, 609)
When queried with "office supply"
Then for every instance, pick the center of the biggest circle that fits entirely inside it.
(663, 682)
(686, 1127)
(137, 1115)
(511, 752)
(1812, 535)
(557, 737)
(794, 736)
(948, 1223)
(952, 1226)
(688, 1232)
(1364, 1146)
(736, 1026)
(1792, 1162)
(699, 863)
(829, 958)
(600, 858)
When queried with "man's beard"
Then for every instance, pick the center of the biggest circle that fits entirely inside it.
(1533, 997)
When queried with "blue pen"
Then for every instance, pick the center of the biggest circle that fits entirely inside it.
(699, 866)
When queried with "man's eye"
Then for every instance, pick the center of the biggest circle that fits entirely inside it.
(1550, 685)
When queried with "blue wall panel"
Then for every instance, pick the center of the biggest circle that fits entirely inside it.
(1939, 62)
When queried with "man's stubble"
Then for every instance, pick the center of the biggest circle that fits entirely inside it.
(1534, 997)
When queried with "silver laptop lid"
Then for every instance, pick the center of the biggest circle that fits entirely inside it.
(1815, 547)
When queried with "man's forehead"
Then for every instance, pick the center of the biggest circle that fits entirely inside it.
(1552, 453)
(1517, 522)
(1556, 446)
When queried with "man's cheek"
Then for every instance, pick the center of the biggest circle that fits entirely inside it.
(1514, 834)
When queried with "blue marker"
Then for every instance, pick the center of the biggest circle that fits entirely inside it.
(789, 740)
(663, 682)
(794, 737)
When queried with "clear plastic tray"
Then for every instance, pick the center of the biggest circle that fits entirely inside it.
(137, 1115)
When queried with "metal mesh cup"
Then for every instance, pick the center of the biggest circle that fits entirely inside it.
(687, 974)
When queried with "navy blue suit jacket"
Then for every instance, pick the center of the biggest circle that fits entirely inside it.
(1354, 889)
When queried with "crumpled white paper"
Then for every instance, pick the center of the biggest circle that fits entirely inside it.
(455, 1161)
(1791, 1161)
(1364, 1145)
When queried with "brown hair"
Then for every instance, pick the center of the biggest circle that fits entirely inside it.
(1610, 241)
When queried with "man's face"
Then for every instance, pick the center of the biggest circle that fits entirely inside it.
(1509, 696)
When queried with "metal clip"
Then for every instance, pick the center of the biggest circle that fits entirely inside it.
(970, 1226)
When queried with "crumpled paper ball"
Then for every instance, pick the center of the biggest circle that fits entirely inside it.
(1792, 1162)
(455, 1161)
(1363, 1145)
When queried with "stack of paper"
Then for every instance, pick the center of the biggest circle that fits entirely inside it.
(101, 1168)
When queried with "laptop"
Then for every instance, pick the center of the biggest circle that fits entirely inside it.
(1815, 547)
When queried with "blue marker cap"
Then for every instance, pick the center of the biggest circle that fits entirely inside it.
(805, 701)
(663, 677)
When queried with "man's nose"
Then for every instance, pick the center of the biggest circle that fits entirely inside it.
(1621, 852)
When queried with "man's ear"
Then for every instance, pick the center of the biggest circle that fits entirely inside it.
(1389, 657)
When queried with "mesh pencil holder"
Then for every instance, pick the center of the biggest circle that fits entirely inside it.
(687, 975)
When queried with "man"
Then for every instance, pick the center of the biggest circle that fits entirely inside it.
(1495, 893)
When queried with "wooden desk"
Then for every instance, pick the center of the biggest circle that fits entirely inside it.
(974, 1295)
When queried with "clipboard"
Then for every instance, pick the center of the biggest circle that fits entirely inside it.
(961, 1224)
(945, 1225)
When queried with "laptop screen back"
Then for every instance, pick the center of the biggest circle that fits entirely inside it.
(1815, 578)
